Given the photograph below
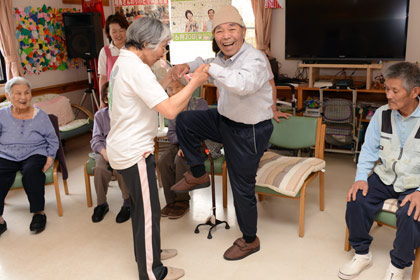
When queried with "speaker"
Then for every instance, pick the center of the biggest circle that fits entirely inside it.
(84, 37)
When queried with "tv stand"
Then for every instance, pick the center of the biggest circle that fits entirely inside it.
(314, 71)
(351, 62)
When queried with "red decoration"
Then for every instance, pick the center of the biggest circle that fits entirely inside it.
(94, 6)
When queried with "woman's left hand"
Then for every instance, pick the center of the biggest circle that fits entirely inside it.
(278, 115)
(48, 164)
(180, 153)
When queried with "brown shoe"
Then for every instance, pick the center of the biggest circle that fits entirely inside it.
(240, 249)
(182, 204)
(178, 210)
(165, 210)
(189, 183)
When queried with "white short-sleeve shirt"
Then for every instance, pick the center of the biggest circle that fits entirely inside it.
(133, 92)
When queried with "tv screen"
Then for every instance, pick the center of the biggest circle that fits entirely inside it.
(346, 30)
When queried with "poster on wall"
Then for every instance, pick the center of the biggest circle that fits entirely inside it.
(134, 9)
(191, 20)
(42, 47)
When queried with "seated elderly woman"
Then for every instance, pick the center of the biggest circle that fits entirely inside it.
(28, 143)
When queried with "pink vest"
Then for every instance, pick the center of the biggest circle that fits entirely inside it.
(110, 60)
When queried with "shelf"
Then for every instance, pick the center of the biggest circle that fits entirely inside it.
(208, 92)
(314, 70)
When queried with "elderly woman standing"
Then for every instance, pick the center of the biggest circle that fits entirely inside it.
(135, 97)
(28, 143)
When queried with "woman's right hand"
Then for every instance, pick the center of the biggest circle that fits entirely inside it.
(201, 74)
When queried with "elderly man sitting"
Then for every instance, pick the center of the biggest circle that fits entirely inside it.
(28, 143)
(393, 138)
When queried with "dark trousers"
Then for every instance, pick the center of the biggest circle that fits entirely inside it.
(360, 215)
(244, 146)
(140, 180)
(172, 168)
(33, 180)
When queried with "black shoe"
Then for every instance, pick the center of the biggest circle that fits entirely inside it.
(99, 212)
(123, 215)
(38, 223)
(3, 227)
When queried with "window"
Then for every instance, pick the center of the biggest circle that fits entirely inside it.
(245, 9)
(3, 77)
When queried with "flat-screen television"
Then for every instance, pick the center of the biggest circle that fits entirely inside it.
(346, 30)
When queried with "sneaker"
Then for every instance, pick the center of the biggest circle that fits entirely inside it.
(167, 254)
(189, 183)
(174, 273)
(240, 249)
(38, 223)
(99, 212)
(3, 227)
(123, 215)
(352, 268)
(394, 273)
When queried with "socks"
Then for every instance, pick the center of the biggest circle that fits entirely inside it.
(126, 202)
(249, 239)
(198, 170)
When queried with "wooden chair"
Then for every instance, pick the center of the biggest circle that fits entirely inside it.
(88, 171)
(51, 175)
(274, 179)
(388, 218)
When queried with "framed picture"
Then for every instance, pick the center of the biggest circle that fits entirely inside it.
(79, 2)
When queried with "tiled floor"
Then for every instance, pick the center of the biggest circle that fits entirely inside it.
(72, 247)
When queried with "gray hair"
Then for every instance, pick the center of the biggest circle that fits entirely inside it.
(14, 82)
(147, 32)
(408, 72)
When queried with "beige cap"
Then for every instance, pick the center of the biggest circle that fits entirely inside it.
(227, 14)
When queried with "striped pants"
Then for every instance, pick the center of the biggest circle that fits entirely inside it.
(140, 180)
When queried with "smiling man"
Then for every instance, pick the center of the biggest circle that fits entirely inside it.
(393, 140)
(242, 122)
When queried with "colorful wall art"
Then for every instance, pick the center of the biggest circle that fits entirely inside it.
(41, 39)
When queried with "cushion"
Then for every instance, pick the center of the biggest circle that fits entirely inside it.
(43, 97)
(74, 124)
(90, 165)
(5, 103)
(390, 205)
(59, 106)
(286, 175)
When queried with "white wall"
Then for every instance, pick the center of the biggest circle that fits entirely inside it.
(289, 66)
